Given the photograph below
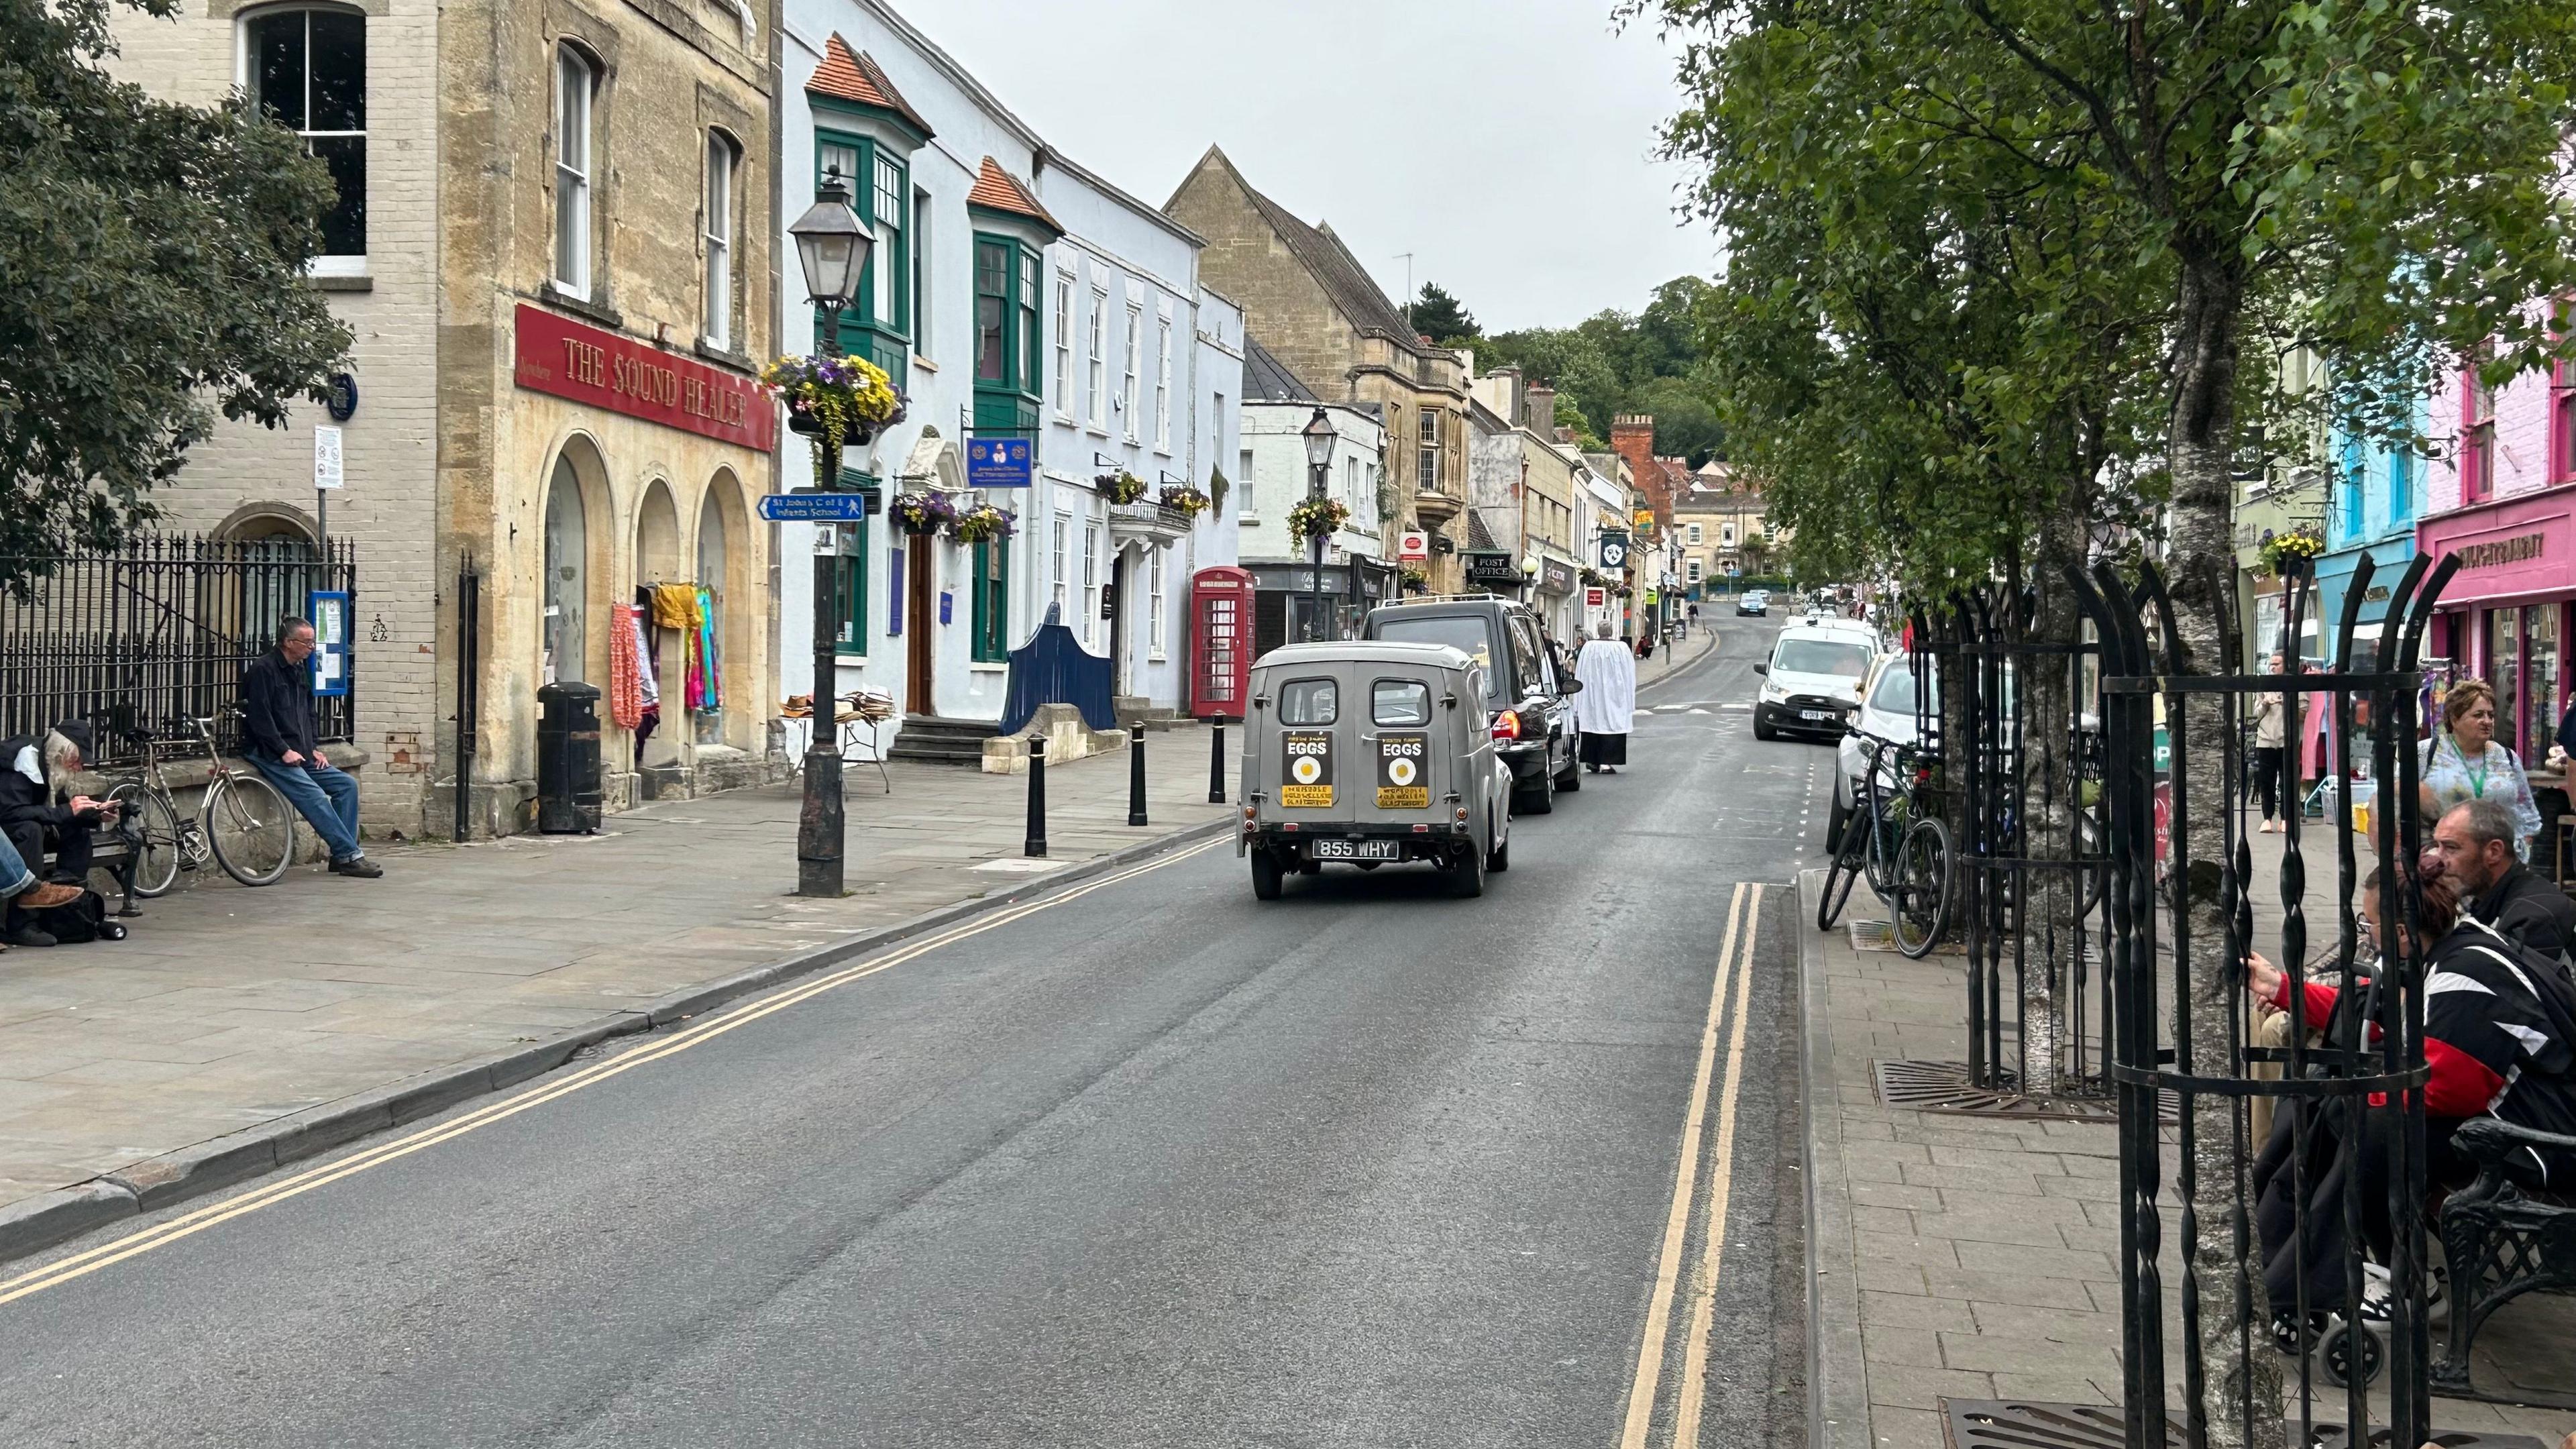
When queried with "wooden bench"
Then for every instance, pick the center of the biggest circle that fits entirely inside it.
(2503, 1240)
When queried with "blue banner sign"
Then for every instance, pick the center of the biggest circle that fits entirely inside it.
(813, 507)
(997, 462)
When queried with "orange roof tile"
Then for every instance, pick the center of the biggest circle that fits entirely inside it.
(999, 190)
(855, 76)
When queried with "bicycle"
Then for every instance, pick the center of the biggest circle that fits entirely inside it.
(242, 821)
(1903, 852)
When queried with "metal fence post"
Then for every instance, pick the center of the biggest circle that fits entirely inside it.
(1036, 845)
(1216, 762)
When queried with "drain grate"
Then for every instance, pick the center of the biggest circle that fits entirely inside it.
(2013, 1424)
(1945, 1087)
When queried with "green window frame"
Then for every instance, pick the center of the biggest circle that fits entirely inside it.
(885, 341)
(1010, 335)
(992, 599)
(850, 575)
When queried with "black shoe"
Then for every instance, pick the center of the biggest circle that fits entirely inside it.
(30, 936)
(359, 866)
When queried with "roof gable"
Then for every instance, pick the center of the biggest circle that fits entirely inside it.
(1330, 263)
(855, 77)
(998, 190)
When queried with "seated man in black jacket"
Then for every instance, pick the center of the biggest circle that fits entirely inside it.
(277, 712)
(36, 809)
(2475, 841)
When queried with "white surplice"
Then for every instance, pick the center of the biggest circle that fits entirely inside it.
(1608, 697)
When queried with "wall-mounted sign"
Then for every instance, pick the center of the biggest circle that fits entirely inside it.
(329, 661)
(2499, 551)
(584, 364)
(340, 397)
(997, 462)
(1412, 546)
(1614, 551)
(1554, 577)
(813, 507)
(1491, 568)
(1594, 598)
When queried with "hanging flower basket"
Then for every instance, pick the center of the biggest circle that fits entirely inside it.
(1121, 487)
(982, 523)
(2292, 551)
(848, 395)
(1190, 501)
(1317, 518)
(1415, 581)
(924, 513)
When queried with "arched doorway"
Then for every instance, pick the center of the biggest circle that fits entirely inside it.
(563, 633)
(724, 533)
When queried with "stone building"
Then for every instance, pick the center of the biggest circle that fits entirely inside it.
(1320, 313)
(540, 246)
(1274, 475)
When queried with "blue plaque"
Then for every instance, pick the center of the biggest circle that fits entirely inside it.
(998, 462)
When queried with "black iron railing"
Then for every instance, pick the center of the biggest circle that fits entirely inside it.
(162, 627)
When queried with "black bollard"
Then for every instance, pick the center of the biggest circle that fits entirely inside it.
(1036, 845)
(1216, 762)
(1136, 774)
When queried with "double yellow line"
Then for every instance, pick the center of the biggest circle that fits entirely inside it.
(268, 1194)
(1743, 916)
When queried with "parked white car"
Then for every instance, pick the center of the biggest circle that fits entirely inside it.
(1887, 711)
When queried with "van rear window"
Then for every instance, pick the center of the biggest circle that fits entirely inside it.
(1309, 702)
(1470, 634)
(1400, 702)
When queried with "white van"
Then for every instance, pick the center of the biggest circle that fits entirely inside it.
(1811, 685)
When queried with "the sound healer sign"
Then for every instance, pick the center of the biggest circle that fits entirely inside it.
(568, 359)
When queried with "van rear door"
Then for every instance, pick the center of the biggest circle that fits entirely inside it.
(1405, 756)
(1314, 752)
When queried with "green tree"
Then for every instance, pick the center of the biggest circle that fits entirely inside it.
(2371, 179)
(1437, 315)
(151, 261)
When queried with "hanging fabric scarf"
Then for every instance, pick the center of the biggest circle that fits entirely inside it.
(625, 692)
(675, 606)
(713, 663)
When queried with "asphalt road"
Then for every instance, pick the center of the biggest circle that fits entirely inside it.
(1144, 1163)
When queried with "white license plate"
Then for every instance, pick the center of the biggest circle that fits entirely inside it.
(1815, 714)
(1355, 849)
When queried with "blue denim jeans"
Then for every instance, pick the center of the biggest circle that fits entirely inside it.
(15, 878)
(321, 794)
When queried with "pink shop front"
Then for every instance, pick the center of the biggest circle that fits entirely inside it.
(2504, 617)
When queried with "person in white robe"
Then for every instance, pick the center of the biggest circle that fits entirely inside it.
(1603, 707)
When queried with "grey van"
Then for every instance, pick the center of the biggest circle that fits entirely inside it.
(1534, 729)
(1371, 754)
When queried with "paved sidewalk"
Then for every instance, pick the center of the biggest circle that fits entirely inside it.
(1957, 1256)
(230, 1008)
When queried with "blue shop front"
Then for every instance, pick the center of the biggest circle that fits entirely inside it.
(2335, 574)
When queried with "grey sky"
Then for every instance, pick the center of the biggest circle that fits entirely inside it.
(1505, 143)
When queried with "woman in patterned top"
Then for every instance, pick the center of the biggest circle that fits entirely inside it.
(2463, 762)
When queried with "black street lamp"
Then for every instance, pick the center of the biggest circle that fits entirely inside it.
(1319, 437)
(832, 245)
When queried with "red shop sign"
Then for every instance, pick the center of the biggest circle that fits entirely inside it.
(570, 360)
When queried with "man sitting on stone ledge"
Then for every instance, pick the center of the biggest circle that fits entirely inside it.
(277, 706)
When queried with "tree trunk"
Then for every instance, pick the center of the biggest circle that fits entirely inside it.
(2054, 937)
(2201, 447)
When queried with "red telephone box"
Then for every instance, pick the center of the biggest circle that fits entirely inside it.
(1221, 649)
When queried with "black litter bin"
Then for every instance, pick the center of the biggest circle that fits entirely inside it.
(568, 790)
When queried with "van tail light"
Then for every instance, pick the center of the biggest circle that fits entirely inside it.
(1507, 725)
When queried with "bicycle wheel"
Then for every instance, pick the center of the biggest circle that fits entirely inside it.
(251, 828)
(1922, 903)
(1840, 872)
(156, 836)
(1886, 817)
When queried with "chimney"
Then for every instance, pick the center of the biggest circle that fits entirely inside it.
(1632, 437)
(1542, 411)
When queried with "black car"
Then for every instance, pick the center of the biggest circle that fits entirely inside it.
(1534, 730)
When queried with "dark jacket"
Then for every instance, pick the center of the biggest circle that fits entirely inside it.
(2529, 911)
(24, 801)
(277, 704)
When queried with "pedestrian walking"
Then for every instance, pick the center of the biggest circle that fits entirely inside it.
(37, 806)
(277, 701)
(1606, 705)
(2271, 735)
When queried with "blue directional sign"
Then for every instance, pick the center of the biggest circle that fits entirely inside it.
(997, 462)
(814, 507)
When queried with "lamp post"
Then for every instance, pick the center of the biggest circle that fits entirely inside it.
(832, 245)
(1318, 434)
